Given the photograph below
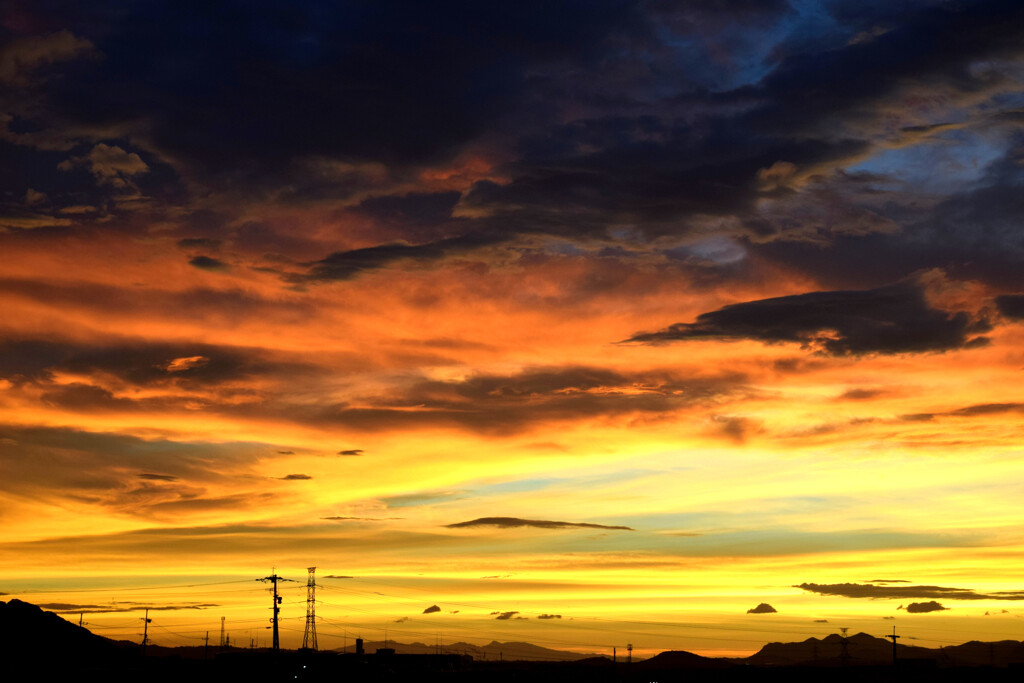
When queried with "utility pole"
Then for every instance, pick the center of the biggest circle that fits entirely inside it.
(206, 645)
(273, 579)
(629, 651)
(145, 631)
(893, 638)
(223, 643)
(309, 637)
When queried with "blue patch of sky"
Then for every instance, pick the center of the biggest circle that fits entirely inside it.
(422, 498)
(754, 512)
(947, 163)
(573, 482)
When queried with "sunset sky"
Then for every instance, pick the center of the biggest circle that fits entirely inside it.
(588, 323)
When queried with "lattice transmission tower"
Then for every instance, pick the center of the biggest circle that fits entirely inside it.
(309, 637)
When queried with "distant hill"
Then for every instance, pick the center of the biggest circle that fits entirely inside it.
(680, 659)
(494, 650)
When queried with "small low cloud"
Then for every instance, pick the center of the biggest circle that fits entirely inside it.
(339, 518)
(338, 576)
(821, 621)
(294, 477)
(549, 616)
(763, 608)
(186, 363)
(286, 452)
(150, 476)
(505, 616)
(401, 621)
(514, 522)
(432, 609)
(862, 394)
(208, 263)
(110, 165)
(352, 452)
(923, 607)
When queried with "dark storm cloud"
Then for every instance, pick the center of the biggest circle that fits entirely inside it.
(934, 46)
(549, 616)
(684, 110)
(888, 320)
(396, 80)
(432, 609)
(651, 185)
(923, 607)
(763, 608)
(505, 616)
(1011, 306)
(352, 452)
(515, 522)
(295, 477)
(861, 590)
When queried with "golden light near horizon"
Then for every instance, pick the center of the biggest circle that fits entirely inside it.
(586, 324)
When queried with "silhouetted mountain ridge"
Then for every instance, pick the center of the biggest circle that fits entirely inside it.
(495, 650)
(864, 649)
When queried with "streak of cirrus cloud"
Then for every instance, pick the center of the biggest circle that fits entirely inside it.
(639, 309)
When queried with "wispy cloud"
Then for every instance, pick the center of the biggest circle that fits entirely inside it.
(861, 590)
(515, 522)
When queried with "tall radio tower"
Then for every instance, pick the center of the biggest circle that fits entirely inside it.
(309, 637)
